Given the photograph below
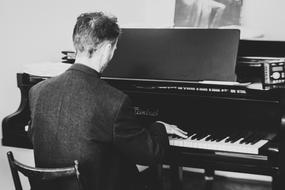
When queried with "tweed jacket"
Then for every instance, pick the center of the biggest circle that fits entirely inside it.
(78, 116)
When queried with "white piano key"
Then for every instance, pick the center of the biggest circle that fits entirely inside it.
(220, 146)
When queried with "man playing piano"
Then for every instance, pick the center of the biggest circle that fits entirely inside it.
(78, 116)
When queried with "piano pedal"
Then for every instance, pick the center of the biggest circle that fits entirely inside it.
(26, 128)
(209, 178)
(209, 175)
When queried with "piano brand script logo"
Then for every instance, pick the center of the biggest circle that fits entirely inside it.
(146, 111)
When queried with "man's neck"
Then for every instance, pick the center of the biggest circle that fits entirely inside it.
(88, 62)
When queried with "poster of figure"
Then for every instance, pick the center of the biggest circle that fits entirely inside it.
(207, 13)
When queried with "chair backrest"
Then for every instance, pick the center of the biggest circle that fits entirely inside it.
(38, 176)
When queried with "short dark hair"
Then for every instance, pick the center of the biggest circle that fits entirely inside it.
(93, 28)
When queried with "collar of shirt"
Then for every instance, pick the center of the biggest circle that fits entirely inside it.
(85, 69)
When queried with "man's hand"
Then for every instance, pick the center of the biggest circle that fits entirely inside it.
(173, 130)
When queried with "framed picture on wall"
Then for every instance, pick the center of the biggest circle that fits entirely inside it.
(207, 13)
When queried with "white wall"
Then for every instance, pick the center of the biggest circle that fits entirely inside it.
(265, 16)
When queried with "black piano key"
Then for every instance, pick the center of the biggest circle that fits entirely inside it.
(225, 138)
(221, 137)
(194, 136)
(190, 133)
(237, 136)
(249, 138)
(255, 141)
(201, 136)
(215, 135)
(210, 137)
(257, 138)
(244, 134)
(246, 137)
(245, 142)
(228, 140)
(233, 140)
(231, 137)
(236, 140)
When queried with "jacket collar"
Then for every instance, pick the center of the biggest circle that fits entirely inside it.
(85, 69)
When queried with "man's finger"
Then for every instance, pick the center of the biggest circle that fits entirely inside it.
(184, 132)
(178, 133)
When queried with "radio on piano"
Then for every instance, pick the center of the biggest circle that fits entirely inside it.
(231, 127)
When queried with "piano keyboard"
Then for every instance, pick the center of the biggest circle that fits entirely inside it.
(229, 144)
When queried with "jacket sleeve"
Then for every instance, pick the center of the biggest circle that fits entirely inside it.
(142, 145)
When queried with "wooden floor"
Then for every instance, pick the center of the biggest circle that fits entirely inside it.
(195, 181)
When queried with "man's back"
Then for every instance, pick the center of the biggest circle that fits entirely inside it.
(74, 118)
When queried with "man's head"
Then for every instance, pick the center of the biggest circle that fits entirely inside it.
(95, 35)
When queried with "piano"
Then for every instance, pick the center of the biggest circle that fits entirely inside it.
(231, 126)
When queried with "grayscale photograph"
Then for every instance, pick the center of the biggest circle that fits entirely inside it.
(142, 95)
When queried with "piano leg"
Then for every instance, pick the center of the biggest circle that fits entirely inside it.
(158, 173)
(176, 174)
(209, 178)
(277, 182)
(153, 177)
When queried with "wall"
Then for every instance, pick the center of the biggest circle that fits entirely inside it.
(266, 16)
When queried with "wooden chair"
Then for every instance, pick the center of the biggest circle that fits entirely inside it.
(42, 177)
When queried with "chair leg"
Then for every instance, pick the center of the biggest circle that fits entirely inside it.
(14, 171)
